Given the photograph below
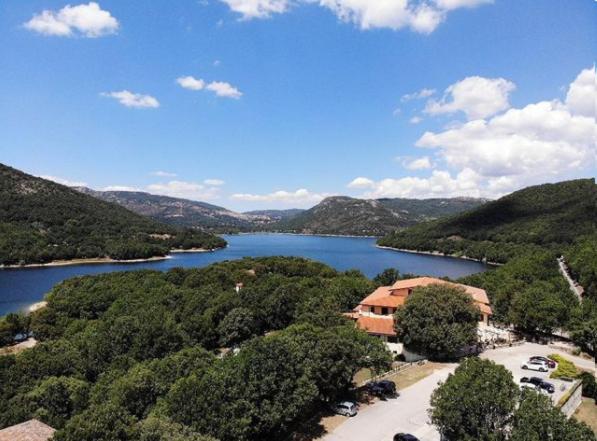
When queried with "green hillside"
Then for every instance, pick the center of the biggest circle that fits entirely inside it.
(41, 221)
(548, 215)
(373, 217)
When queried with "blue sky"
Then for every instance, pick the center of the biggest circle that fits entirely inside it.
(286, 102)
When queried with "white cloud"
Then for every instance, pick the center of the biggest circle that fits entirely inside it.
(420, 16)
(85, 20)
(419, 163)
(164, 174)
(582, 94)
(361, 182)
(214, 182)
(191, 83)
(540, 142)
(184, 189)
(423, 93)
(130, 99)
(63, 181)
(220, 88)
(223, 89)
(216, 63)
(415, 120)
(449, 5)
(299, 197)
(258, 8)
(477, 97)
(120, 188)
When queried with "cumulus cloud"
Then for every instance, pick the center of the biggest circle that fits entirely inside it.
(420, 16)
(299, 197)
(185, 190)
(258, 8)
(164, 174)
(418, 163)
(477, 97)
(220, 88)
(423, 93)
(582, 94)
(214, 182)
(191, 83)
(136, 100)
(544, 141)
(84, 20)
(223, 89)
(63, 181)
(361, 182)
(415, 120)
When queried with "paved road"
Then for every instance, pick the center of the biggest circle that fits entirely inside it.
(407, 413)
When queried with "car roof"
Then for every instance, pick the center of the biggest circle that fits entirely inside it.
(346, 403)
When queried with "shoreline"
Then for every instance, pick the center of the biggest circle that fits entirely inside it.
(438, 254)
(102, 260)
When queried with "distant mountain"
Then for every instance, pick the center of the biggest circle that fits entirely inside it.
(42, 221)
(274, 215)
(182, 212)
(544, 215)
(374, 217)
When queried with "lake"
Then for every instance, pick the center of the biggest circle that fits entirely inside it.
(20, 288)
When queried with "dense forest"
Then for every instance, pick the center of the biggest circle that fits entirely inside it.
(135, 355)
(539, 217)
(41, 221)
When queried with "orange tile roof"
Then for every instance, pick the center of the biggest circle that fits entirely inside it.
(478, 294)
(32, 430)
(382, 296)
(377, 325)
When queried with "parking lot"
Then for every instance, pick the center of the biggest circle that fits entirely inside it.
(408, 412)
(512, 358)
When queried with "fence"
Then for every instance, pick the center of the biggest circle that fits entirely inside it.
(400, 368)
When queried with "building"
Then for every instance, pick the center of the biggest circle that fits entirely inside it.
(32, 430)
(374, 313)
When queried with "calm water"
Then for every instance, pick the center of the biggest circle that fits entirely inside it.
(20, 288)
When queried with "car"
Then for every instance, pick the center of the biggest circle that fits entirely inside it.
(528, 386)
(548, 361)
(539, 383)
(382, 388)
(405, 437)
(346, 408)
(535, 365)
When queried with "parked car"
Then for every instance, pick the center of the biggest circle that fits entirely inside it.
(548, 361)
(405, 437)
(382, 388)
(540, 383)
(346, 408)
(535, 365)
(527, 385)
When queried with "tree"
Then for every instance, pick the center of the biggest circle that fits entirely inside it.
(538, 309)
(387, 277)
(438, 321)
(162, 429)
(537, 419)
(238, 325)
(475, 403)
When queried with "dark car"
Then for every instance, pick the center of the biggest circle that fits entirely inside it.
(382, 388)
(539, 382)
(548, 361)
(405, 437)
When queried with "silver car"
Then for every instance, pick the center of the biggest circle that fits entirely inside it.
(346, 408)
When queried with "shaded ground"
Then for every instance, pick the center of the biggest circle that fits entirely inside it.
(587, 413)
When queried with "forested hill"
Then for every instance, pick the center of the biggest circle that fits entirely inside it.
(374, 217)
(177, 211)
(42, 221)
(546, 215)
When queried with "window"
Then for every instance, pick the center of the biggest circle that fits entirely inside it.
(384, 311)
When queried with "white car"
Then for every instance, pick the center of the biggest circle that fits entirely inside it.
(535, 365)
(346, 408)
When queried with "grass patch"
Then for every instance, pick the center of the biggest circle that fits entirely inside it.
(587, 413)
(565, 367)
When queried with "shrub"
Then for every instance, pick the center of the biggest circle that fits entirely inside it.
(589, 385)
(565, 367)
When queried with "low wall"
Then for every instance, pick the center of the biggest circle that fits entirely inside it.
(571, 399)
